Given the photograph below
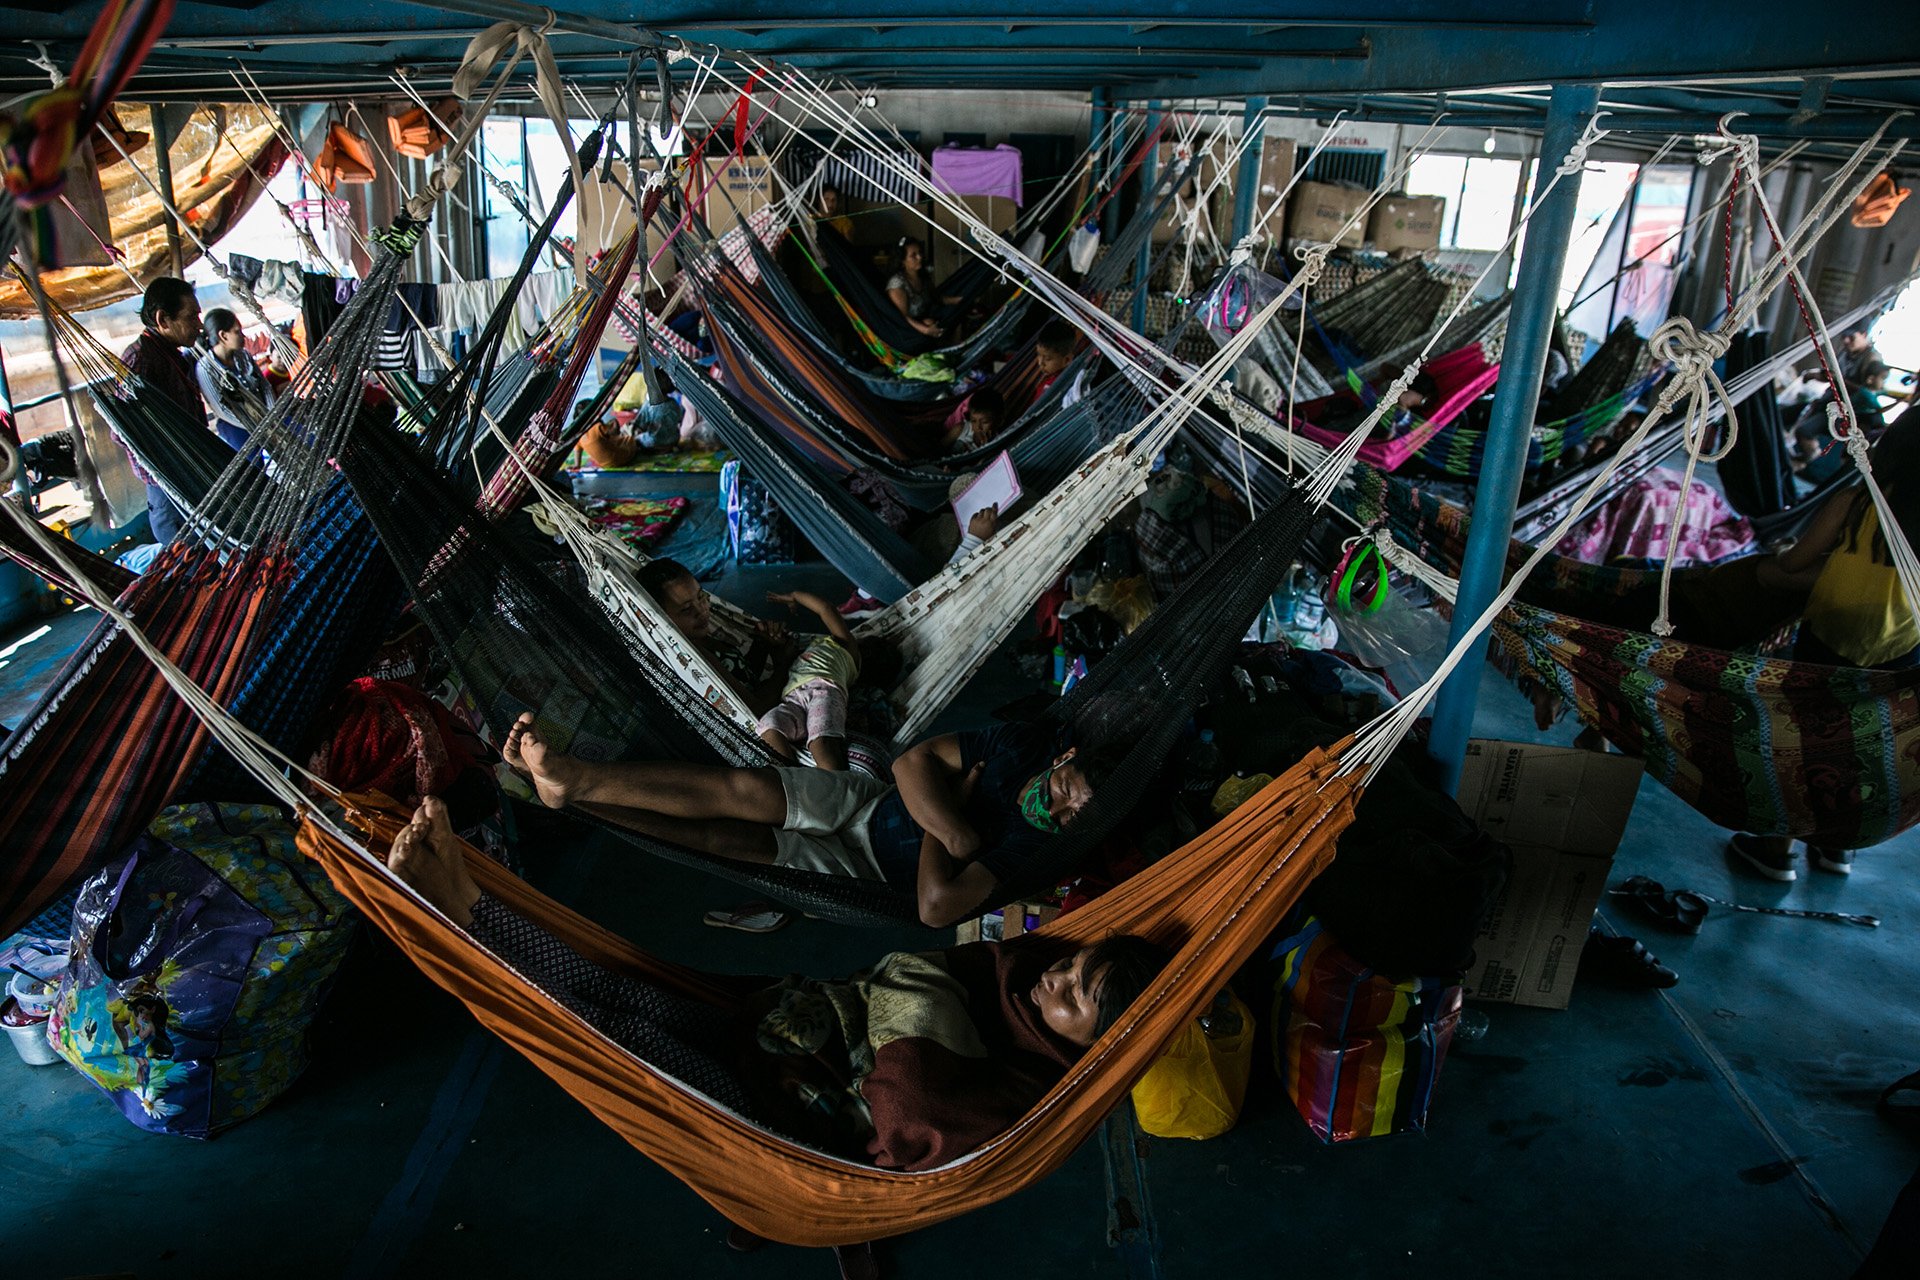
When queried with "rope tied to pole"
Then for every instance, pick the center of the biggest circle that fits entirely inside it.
(1576, 160)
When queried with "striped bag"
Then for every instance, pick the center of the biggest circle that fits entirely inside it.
(1359, 1054)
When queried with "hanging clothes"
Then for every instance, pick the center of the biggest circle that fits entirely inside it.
(979, 171)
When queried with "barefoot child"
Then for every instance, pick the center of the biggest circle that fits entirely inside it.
(813, 705)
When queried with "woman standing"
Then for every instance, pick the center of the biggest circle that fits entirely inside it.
(232, 383)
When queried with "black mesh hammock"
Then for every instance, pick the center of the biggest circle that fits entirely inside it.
(525, 636)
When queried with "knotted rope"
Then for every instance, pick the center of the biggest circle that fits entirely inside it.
(1696, 387)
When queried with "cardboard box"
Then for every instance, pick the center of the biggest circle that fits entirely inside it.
(1562, 811)
(1010, 921)
(1276, 171)
(1318, 210)
(738, 188)
(1407, 222)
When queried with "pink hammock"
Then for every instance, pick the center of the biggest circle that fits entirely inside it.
(1462, 377)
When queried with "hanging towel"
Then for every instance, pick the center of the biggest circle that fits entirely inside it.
(979, 171)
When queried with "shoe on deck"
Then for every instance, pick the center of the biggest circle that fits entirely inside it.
(1838, 862)
(859, 605)
(1752, 853)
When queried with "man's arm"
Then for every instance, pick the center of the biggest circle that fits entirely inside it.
(935, 792)
(949, 890)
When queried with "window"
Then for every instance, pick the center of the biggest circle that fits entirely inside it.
(1350, 165)
(503, 155)
(1626, 248)
(1479, 192)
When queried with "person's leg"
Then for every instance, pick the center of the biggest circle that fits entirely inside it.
(825, 704)
(829, 753)
(728, 838)
(663, 787)
(778, 744)
(685, 1038)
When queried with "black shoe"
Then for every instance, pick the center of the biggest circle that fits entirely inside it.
(1624, 962)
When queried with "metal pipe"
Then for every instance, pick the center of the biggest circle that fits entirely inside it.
(163, 171)
(1246, 183)
(1522, 363)
(1143, 265)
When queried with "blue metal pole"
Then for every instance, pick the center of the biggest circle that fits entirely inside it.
(1143, 266)
(1536, 294)
(1246, 183)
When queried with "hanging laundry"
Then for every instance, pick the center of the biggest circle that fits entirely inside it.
(979, 171)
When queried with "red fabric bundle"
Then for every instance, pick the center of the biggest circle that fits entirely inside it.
(394, 739)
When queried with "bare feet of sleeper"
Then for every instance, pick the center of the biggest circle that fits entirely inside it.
(426, 854)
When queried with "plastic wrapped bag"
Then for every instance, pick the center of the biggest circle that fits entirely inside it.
(1199, 1084)
(198, 963)
(1083, 244)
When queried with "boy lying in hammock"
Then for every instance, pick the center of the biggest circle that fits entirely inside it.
(909, 1064)
(966, 811)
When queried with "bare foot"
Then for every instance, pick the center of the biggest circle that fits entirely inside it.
(426, 854)
(553, 773)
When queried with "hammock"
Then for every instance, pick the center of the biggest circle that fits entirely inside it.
(1213, 902)
(1396, 307)
(1462, 377)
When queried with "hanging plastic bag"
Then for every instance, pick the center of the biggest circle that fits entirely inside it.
(1199, 1084)
(1083, 244)
(1241, 293)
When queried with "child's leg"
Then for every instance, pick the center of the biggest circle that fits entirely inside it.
(826, 706)
(829, 753)
(777, 743)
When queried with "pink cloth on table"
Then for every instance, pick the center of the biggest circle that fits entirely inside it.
(979, 171)
(1635, 525)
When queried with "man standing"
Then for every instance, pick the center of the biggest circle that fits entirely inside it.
(170, 315)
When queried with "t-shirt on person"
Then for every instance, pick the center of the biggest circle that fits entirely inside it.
(1013, 754)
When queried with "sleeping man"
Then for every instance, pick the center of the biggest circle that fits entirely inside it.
(965, 813)
(909, 1064)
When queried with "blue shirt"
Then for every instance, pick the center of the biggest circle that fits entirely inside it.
(1013, 754)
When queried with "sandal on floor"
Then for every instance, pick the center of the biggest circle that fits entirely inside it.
(1625, 962)
(1903, 1110)
(857, 1261)
(741, 1240)
(1681, 910)
(753, 917)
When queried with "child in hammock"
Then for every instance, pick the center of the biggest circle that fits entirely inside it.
(813, 705)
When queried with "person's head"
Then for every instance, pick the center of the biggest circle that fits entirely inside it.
(913, 256)
(1054, 347)
(986, 409)
(1421, 392)
(169, 309)
(1054, 797)
(680, 596)
(224, 333)
(829, 201)
(1084, 994)
(881, 662)
(1855, 339)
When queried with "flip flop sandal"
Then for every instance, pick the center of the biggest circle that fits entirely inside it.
(857, 1261)
(753, 917)
(1681, 910)
(1903, 1110)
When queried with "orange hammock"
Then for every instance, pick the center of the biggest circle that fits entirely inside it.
(1212, 902)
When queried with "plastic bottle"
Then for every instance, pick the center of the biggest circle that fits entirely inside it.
(1310, 607)
(1059, 665)
(1221, 1019)
(1199, 777)
(1471, 1027)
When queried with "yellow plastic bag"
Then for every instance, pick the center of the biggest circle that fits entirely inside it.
(1197, 1087)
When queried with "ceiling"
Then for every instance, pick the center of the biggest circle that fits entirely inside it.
(1793, 67)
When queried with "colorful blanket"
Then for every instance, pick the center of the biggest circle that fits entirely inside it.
(677, 460)
(1635, 525)
(641, 523)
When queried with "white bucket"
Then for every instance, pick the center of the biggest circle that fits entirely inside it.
(29, 1041)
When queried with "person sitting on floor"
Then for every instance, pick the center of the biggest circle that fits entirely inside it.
(908, 1065)
(966, 812)
(813, 706)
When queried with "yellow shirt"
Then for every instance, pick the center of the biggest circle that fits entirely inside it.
(1858, 608)
(824, 658)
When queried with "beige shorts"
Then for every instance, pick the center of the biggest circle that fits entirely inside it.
(826, 824)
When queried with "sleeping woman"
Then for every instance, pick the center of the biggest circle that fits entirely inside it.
(906, 1065)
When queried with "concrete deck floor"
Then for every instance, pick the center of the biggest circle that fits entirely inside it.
(1724, 1128)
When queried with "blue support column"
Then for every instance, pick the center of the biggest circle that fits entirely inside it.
(1246, 183)
(1143, 267)
(1535, 296)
